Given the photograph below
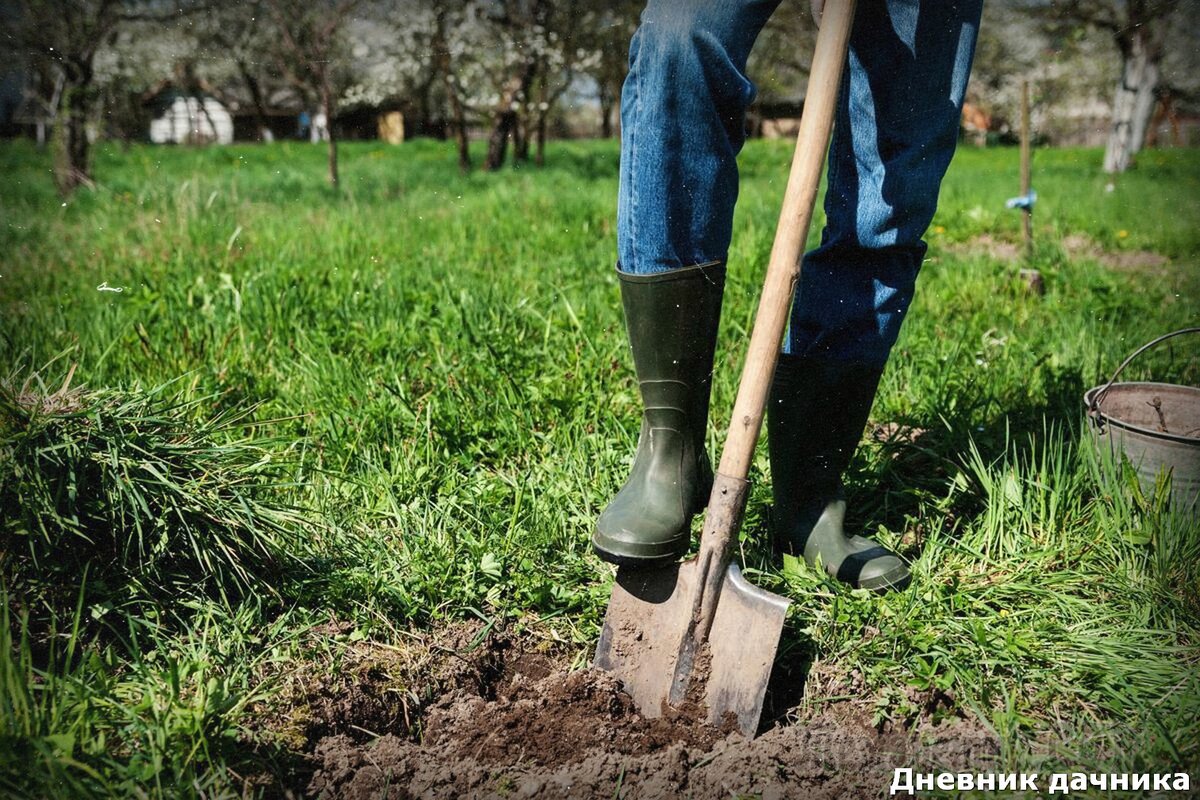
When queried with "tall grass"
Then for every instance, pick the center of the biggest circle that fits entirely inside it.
(150, 496)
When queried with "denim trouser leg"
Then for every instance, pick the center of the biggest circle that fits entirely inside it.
(682, 124)
(682, 112)
(895, 132)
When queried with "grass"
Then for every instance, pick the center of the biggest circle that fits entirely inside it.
(406, 403)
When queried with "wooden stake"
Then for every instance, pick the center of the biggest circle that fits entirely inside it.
(1027, 211)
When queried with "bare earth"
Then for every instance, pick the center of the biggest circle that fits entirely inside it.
(1075, 246)
(513, 723)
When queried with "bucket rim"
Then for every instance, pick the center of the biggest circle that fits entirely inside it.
(1093, 413)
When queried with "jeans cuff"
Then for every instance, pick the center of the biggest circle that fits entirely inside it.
(714, 271)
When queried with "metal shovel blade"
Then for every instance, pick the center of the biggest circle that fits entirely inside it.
(648, 627)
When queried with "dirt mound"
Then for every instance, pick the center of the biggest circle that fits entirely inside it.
(1080, 246)
(1076, 246)
(364, 689)
(554, 721)
(552, 733)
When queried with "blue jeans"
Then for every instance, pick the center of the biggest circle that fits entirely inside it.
(682, 122)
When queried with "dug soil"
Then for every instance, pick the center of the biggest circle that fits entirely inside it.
(512, 720)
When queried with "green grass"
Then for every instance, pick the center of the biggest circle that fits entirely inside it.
(406, 403)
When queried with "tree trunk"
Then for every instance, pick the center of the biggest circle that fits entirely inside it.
(456, 108)
(327, 108)
(460, 127)
(260, 106)
(1143, 107)
(521, 139)
(606, 111)
(498, 141)
(1134, 99)
(51, 112)
(539, 157)
(72, 150)
(505, 119)
(212, 123)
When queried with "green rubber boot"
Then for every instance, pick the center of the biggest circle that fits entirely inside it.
(672, 321)
(816, 415)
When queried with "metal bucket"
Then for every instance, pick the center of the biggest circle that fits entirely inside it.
(1155, 425)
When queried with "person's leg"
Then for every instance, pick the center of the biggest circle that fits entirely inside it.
(683, 110)
(896, 130)
(682, 124)
(895, 134)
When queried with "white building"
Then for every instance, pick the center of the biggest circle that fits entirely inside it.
(179, 118)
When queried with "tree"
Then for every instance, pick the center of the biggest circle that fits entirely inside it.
(447, 20)
(62, 43)
(415, 61)
(567, 50)
(779, 62)
(521, 29)
(537, 49)
(238, 32)
(1138, 28)
(608, 39)
(311, 54)
(60, 39)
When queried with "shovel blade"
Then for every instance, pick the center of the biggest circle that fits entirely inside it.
(647, 629)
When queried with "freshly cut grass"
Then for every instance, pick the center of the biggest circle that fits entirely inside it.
(146, 495)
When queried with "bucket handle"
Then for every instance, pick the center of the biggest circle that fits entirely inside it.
(1098, 398)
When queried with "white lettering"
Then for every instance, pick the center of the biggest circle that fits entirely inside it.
(985, 782)
(1121, 782)
(1183, 782)
(925, 782)
(1029, 782)
(902, 781)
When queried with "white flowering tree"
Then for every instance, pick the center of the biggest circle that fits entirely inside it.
(136, 56)
(406, 59)
(535, 50)
(504, 63)
(61, 43)
(232, 41)
(1139, 30)
(310, 50)
(570, 49)
(607, 36)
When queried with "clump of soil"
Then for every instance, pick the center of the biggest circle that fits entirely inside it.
(363, 689)
(553, 721)
(532, 728)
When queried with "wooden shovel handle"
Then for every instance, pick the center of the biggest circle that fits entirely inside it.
(728, 498)
(783, 270)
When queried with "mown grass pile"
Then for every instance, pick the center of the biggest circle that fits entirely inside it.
(151, 498)
(406, 403)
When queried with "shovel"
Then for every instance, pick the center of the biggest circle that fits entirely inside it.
(695, 638)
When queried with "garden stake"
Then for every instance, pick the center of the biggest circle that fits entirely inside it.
(696, 635)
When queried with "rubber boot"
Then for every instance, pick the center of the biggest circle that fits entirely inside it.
(672, 321)
(816, 415)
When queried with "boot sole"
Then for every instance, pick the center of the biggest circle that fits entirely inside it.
(895, 581)
(650, 560)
